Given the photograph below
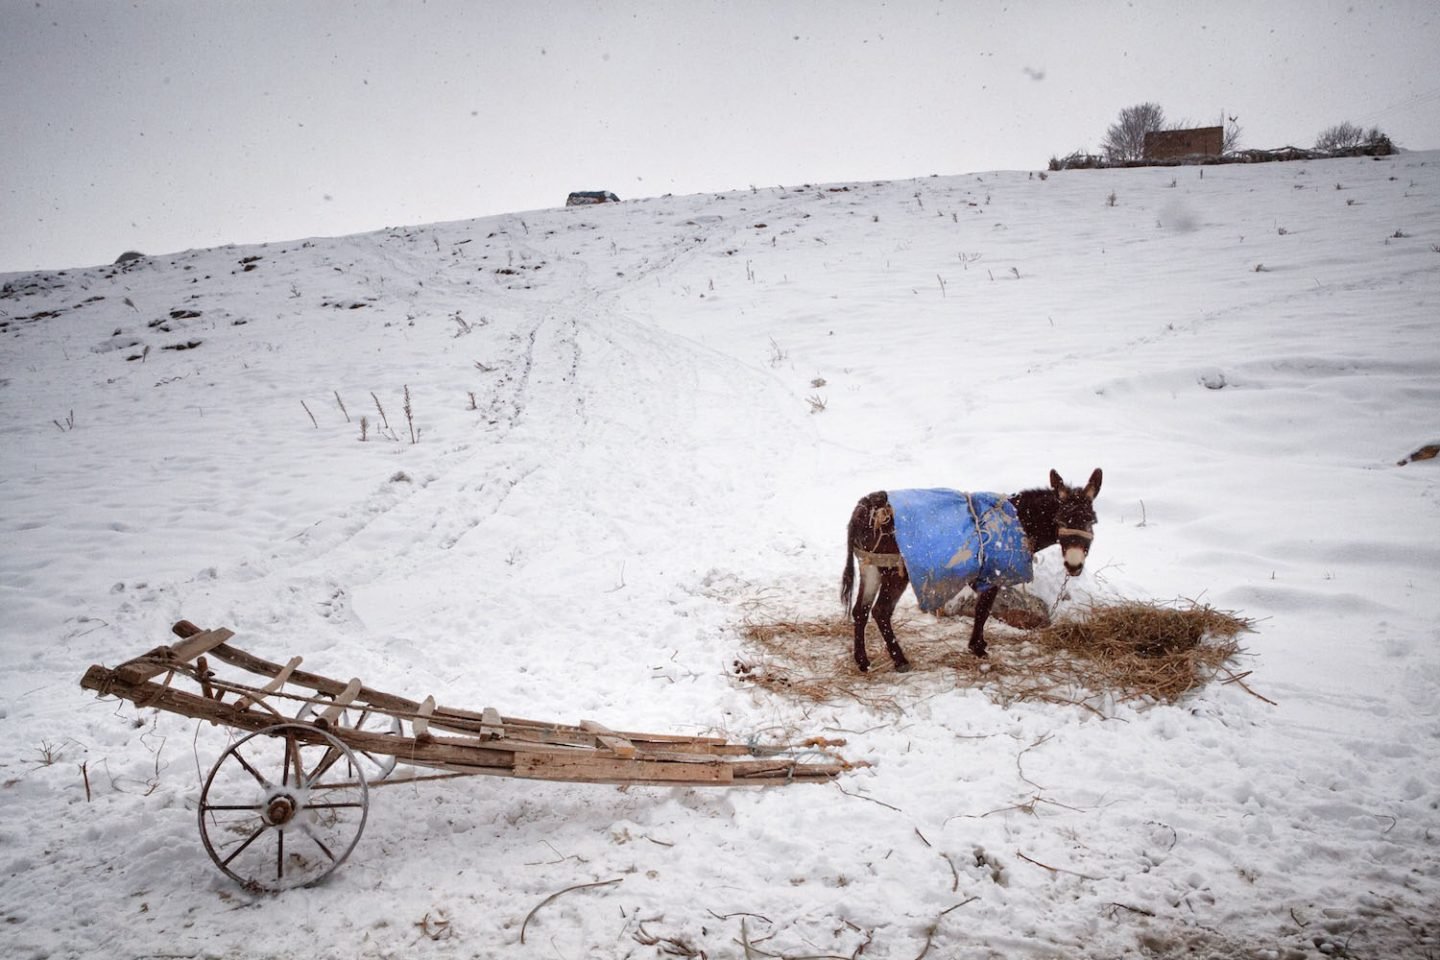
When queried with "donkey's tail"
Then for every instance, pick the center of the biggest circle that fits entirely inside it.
(847, 580)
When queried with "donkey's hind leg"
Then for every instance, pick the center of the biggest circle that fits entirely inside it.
(864, 600)
(892, 587)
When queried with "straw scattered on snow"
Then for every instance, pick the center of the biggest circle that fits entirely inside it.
(1100, 654)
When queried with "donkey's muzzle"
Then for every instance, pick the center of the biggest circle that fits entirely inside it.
(1075, 552)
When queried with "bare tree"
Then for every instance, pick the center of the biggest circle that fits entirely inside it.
(1345, 135)
(1125, 140)
(1233, 130)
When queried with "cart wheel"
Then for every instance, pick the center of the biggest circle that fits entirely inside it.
(285, 810)
(376, 766)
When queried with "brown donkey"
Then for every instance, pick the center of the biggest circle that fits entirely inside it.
(940, 541)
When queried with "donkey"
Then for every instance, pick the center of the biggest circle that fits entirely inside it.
(1060, 514)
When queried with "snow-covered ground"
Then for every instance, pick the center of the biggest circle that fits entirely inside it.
(623, 452)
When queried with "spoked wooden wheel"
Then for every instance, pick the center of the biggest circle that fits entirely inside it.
(283, 807)
(376, 766)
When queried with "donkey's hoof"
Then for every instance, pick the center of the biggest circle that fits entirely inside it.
(978, 651)
(863, 666)
(902, 666)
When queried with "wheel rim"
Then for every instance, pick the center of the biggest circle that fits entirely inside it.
(376, 766)
(284, 810)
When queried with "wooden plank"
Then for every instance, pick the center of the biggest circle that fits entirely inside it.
(491, 726)
(581, 767)
(343, 699)
(421, 723)
(184, 629)
(609, 739)
(162, 659)
(188, 650)
(775, 772)
(275, 683)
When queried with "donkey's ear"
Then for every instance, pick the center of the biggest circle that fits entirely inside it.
(1058, 485)
(1092, 489)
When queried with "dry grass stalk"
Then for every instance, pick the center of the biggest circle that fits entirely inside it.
(410, 416)
(1105, 653)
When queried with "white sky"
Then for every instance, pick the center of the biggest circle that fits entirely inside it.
(160, 126)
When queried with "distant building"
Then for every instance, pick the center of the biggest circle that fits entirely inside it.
(1197, 142)
(584, 197)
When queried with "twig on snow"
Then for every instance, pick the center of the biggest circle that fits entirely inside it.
(1046, 866)
(954, 874)
(739, 913)
(1020, 769)
(559, 857)
(1240, 679)
(967, 900)
(438, 929)
(1029, 807)
(1116, 905)
(929, 936)
(861, 797)
(559, 893)
(752, 951)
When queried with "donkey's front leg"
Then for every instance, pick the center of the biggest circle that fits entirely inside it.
(984, 600)
(892, 587)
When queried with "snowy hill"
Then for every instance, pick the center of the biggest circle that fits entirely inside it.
(633, 426)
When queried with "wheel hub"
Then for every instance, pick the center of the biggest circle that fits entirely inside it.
(280, 810)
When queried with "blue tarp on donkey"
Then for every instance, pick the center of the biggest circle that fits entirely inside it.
(951, 540)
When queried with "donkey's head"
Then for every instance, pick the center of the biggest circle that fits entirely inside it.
(1075, 520)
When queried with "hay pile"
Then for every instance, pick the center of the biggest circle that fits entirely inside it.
(1095, 657)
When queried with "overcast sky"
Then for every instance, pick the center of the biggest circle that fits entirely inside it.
(160, 125)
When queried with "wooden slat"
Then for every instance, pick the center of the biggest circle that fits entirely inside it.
(608, 738)
(275, 683)
(343, 699)
(421, 723)
(188, 650)
(161, 659)
(768, 772)
(589, 768)
(491, 726)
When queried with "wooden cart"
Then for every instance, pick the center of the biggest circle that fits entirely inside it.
(286, 803)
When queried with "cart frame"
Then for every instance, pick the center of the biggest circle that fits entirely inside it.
(346, 738)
